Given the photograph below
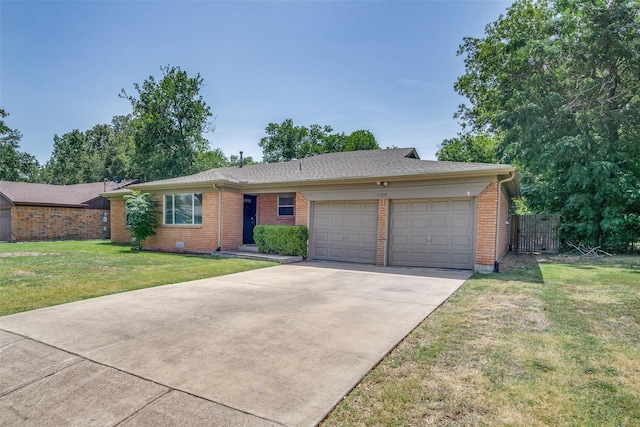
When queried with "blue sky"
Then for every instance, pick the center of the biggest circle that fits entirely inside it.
(388, 67)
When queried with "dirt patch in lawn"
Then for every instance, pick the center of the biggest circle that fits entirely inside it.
(16, 254)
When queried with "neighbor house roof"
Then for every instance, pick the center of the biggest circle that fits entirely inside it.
(76, 195)
(400, 163)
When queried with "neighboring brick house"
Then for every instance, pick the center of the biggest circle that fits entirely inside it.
(384, 207)
(30, 212)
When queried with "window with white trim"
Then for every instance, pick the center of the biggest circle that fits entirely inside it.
(183, 209)
(286, 205)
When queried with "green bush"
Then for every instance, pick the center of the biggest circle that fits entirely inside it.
(142, 216)
(282, 239)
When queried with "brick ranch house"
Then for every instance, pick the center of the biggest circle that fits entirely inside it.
(384, 207)
(31, 212)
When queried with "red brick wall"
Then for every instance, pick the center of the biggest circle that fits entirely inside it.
(302, 210)
(383, 215)
(195, 238)
(504, 226)
(55, 223)
(204, 238)
(119, 232)
(486, 226)
(268, 211)
(232, 219)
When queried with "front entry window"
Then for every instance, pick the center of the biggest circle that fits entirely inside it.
(286, 205)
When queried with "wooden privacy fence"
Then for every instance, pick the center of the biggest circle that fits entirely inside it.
(535, 233)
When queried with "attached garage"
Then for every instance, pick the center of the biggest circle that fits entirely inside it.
(432, 233)
(345, 231)
(5, 225)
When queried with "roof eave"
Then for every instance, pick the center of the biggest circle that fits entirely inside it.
(185, 185)
(494, 172)
(392, 178)
(51, 205)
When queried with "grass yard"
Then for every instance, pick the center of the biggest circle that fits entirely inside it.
(550, 341)
(35, 275)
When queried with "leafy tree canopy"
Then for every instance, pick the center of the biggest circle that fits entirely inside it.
(14, 164)
(285, 141)
(170, 118)
(467, 147)
(104, 151)
(216, 158)
(556, 84)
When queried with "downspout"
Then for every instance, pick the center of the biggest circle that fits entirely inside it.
(496, 263)
(219, 218)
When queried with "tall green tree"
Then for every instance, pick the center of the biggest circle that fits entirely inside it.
(215, 158)
(170, 118)
(118, 150)
(361, 140)
(15, 165)
(468, 147)
(93, 157)
(282, 142)
(285, 141)
(66, 163)
(557, 81)
(104, 151)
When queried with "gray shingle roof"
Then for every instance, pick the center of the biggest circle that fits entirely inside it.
(77, 195)
(388, 163)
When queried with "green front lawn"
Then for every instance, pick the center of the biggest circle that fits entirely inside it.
(549, 342)
(35, 275)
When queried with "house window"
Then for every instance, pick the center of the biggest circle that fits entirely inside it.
(183, 209)
(286, 204)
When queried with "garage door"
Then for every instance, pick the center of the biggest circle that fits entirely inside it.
(432, 233)
(5, 225)
(345, 231)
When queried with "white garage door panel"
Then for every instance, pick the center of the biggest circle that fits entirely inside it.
(432, 233)
(345, 231)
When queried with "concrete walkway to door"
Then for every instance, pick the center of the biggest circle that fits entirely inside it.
(269, 347)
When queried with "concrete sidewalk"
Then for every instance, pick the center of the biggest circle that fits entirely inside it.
(276, 346)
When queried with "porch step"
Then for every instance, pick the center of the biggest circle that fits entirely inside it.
(282, 259)
(248, 248)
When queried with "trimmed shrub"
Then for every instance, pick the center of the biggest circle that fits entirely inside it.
(282, 239)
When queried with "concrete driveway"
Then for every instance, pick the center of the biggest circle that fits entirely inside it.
(269, 347)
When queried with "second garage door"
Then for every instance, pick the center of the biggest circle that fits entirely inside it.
(432, 233)
(345, 231)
